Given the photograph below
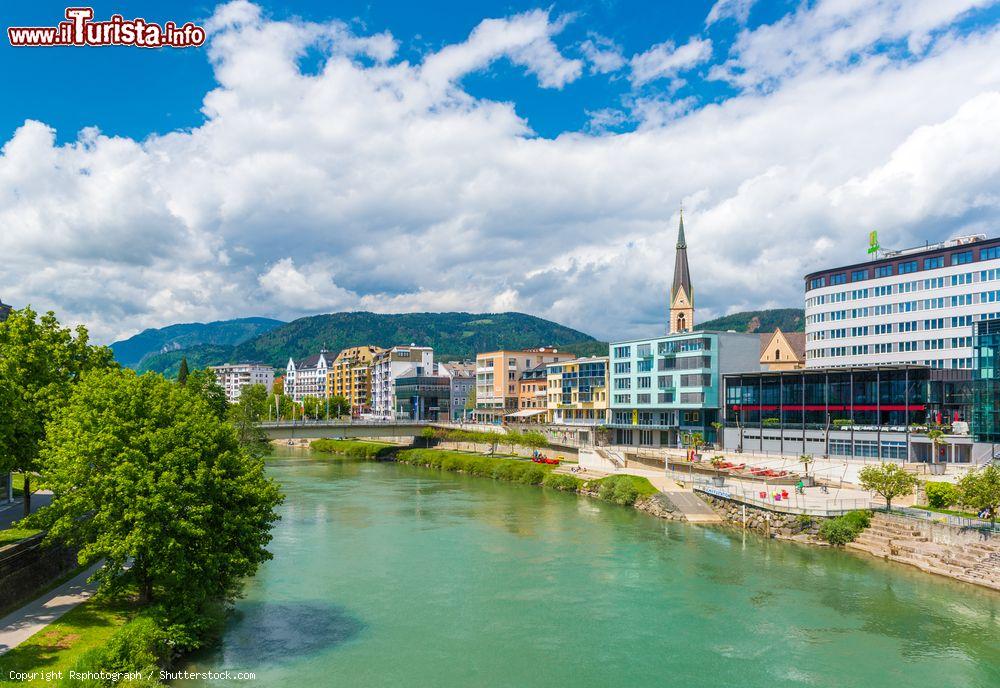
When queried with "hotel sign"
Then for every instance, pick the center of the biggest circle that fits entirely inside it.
(873, 246)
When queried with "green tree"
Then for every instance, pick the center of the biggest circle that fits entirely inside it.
(938, 441)
(40, 361)
(311, 407)
(981, 490)
(888, 480)
(148, 479)
(246, 416)
(183, 372)
(806, 460)
(339, 406)
(206, 385)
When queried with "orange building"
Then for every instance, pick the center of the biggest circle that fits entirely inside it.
(350, 376)
(499, 372)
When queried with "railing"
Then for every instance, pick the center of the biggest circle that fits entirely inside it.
(948, 519)
(833, 507)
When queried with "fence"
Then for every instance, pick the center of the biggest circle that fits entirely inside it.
(793, 505)
(949, 519)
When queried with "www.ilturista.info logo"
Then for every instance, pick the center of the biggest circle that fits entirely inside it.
(80, 29)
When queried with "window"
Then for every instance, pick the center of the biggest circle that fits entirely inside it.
(623, 351)
(817, 283)
(644, 382)
(642, 398)
(858, 275)
(883, 271)
(840, 278)
(907, 267)
(623, 383)
(935, 262)
(961, 258)
(644, 350)
(644, 365)
(989, 253)
(621, 368)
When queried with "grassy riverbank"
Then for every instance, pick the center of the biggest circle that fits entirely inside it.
(619, 489)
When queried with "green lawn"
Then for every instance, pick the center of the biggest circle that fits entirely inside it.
(16, 534)
(60, 645)
(949, 512)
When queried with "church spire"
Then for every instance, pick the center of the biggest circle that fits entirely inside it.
(681, 292)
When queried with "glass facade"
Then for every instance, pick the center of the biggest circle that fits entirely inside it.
(423, 398)
(986, 406)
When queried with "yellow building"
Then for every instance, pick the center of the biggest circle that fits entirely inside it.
(781, 351)
(578, 391)
(350, 377)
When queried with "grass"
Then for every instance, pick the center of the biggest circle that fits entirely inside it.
(622, 489)
(60, 645)
(52, 585)
(354, 449)
(949, 512)
(11, 535)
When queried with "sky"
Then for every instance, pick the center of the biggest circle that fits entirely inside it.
(392, 156)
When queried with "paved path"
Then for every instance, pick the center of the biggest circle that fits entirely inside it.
(694, 509)
(17, 627)
(15, 510)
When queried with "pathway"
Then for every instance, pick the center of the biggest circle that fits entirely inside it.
(14, 511)
(18, 626)
(694, 509)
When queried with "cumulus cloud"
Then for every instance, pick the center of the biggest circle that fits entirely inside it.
(379, 183)
(738, 10)
(666, 59)
(603, 54)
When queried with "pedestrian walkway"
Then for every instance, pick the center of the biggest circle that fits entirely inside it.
(18, 626)
(14, 511)
(694, 509)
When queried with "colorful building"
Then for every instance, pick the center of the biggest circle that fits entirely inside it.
(498, 373)
(577, 391)
(782, 351)
(421, 396)
(235, 377)
(350, 377)
(308, 377)
(389, 365)
(462, 383)
(531, 396)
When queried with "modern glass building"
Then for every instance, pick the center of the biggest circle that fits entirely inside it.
(577, 391)
(986, 386)
(420, 397)
(666, 387)
(874, 412)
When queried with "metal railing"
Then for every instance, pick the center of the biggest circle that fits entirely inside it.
(792, 505)
(947, 519)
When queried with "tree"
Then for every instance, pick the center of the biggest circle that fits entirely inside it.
(888, 480)
(40, 361)
(204, 384)
(182, 372)
(806, 460)
(938, 441)
(981, 490)
(246, 416)
(143, 473)
(339, 405)
(311, 407)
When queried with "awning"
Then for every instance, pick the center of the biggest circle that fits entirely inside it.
(527, 413)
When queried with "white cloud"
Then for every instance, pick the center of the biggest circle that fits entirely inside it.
(738, 10)
(666, 59)
(603, 54)
(382, 185)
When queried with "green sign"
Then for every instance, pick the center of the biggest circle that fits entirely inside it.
(873, 246)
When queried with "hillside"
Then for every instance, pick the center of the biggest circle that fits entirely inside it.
(787, 319)
(131, 351)
(453, 336)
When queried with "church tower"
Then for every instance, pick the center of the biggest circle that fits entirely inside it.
(681, 294)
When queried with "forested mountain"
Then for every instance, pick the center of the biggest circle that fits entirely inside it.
(787, 319)
(131, 351)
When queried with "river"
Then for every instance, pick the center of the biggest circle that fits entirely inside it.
(388, 575)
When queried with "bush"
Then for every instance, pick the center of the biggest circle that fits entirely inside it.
(354, 449)
(846, 528)
(141, 646)
(623, 489)
(942, 495)
(561, 481)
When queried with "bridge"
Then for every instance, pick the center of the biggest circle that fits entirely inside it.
(350, 429)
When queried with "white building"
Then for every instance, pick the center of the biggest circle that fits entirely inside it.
(914, 306)
(234, 377)
(391, 364)
(462, 381)
(308, 377)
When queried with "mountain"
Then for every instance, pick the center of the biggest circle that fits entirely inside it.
(133, 350)
(788, 319)
(453, 336)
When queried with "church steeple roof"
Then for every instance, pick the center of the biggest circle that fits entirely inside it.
(682, 276)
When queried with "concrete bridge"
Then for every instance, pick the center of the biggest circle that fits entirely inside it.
(350, 429)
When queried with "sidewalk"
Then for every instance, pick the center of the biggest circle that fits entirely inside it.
(20, 625)
(14, 511)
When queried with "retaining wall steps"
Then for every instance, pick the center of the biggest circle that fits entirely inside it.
(972, 561)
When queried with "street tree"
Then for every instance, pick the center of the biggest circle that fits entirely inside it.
(40, 361)
(888, 480)
(246, 416)
(980, 490)
(146, 477)
(339, 406)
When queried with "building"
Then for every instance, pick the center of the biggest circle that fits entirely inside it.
(915, 306)
(4, 311)
(782, 351)
(681, 291)
(497, 375)
(864, 413)
(422, 396)
(350, 376)
(664, 388)
(308, 377)
(390, 364)
(986, 383)
(234, 377)
(532, 406)
(577, 391)
(462, 383)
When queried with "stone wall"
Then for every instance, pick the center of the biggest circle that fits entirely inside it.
(28, 566)
(760, 520)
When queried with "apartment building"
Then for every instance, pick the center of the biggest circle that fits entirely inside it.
(577, 391)
(4, 311)
(308, 377)
(350, 376)
(498, 373)
(916, 306)
(235, 377)
(391, 364)
(663, 388)
(461, 384)
(532, 406)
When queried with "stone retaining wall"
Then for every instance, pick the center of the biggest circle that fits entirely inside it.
(28, 566)
(761, 520)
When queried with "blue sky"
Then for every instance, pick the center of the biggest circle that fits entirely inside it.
(393, 156)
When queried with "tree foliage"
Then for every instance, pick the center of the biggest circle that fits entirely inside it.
(981, 490)
(204, 384)
(183, 371)
(888, 480)
(40, 361)
(246, 416)
(144, 473)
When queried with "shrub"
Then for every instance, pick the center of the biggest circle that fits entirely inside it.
(141, 646)
(942, 495)
(846, 528)
(354, 449)
(561, 481)
(623, 489)
(533, 474)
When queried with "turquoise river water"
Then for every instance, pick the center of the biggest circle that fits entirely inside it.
(387, 575)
